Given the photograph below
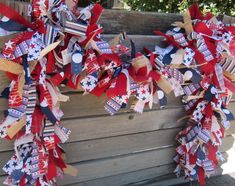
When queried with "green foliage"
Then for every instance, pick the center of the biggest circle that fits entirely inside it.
(175, 6)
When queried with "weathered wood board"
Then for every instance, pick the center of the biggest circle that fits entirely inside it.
(128, 148)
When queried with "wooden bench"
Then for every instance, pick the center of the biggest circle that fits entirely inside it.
(128, 148)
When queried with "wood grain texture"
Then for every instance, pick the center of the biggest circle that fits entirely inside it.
(128, 148)
(116, 21)
(129, 178)
(143, 23)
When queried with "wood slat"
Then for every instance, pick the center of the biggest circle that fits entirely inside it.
(166, 179)
(115, 146)
(89, 155)
(121, 179)
(82, 129)
(114, 166)
(129, 178)
(142, 23)
(117, 165)
(121, 145)
(107, 126)
(90, 105)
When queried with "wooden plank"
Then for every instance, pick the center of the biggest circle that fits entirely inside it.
(217, 180)
(111, 166)
(128, 166)
(228, 143)
(141, 41)
(101, 127)
(90, 105)
(121, 165)
(128, 126)
(113, 147)
(220, 149)
(129, 178)
(120, 145)
(85, 153)
(116, 21)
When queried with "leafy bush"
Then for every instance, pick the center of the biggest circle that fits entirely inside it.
(175, 6)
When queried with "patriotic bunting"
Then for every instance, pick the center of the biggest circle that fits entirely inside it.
(63, 45)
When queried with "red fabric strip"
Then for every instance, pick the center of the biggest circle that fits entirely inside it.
(15, 16)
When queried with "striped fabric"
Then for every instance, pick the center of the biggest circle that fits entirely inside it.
(176, 74)
(190, 104)
(228, 65)
(113, 106)
(8, 50)
(190, 89)
(179, 38)
(78, 29)
(209, 167)
(20, 111)
(30, 107)
(48, 129)
(134, 87)
(220, 76)
(159, 62)
(192, 134)
(62, 132)
(22, 49)
(180, 150)
(34, 166)
(104, 47)
(48, 134)
(50, 35)
(204, 135)
(202, 47)
(14, 98)
(56, 2)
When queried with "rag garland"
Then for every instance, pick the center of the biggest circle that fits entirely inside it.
(63, 45)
